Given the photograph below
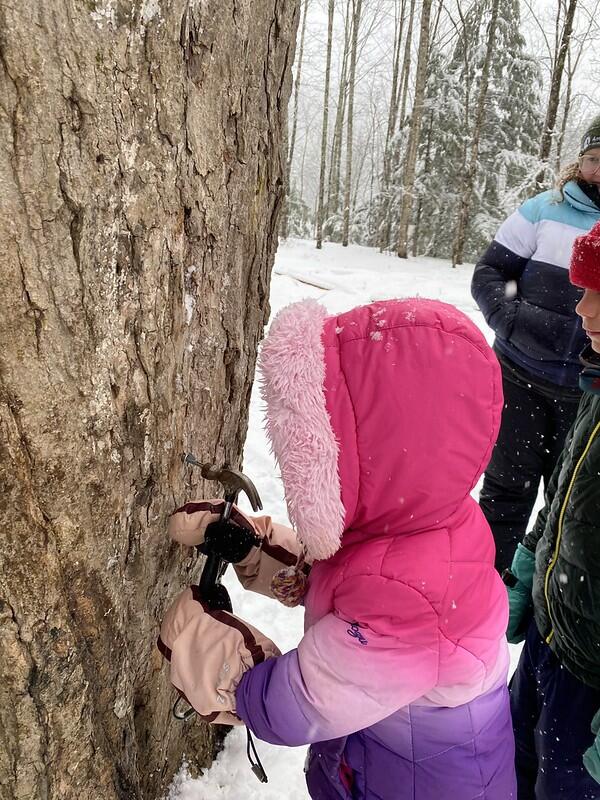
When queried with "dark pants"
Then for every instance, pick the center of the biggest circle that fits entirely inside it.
(535, 421)
(552, 712)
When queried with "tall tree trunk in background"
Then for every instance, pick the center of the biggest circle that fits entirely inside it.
(392, 119)
(565, 113)
(385, 239)
(367, 150)
(572, 67)
(458, 245)
(356, 9)
(426, 168)
(554, 96)
(335, 167)
(406, 62)
(395, 89)
(321, 194)
(142, 172)
(414, 132)
(292, 142)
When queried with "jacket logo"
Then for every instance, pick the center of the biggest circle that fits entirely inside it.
(354, 631)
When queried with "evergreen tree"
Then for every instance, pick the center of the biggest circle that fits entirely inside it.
(509, 138)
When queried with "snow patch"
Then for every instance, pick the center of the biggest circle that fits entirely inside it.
(150, 9)
(104, 14)
(190, 304)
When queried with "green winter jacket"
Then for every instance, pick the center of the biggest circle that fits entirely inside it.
(566, 541)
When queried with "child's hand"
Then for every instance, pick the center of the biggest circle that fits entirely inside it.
(208, 652)
(229, 541)
(189, 524)
(591, 757)
(519, 581)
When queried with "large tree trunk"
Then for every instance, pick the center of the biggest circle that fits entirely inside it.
(141, 176)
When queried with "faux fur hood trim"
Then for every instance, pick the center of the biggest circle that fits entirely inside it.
(292, 366)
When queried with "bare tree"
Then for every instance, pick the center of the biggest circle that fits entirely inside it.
(292, 142)
(572, 66)
(399, 15)
(385, 224)
(563, 38)
(414, 132)
(142, 170)
(356, 9)
(471, 167)
(335, 167)
(321, 195)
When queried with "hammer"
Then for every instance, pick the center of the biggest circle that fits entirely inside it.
(234, 482)
(211, 589)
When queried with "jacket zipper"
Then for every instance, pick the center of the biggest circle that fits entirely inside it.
(560, 528)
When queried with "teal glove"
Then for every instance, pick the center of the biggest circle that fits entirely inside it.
(591, 757)
(519, 594)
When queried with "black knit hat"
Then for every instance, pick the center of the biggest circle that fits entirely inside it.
(591, 138)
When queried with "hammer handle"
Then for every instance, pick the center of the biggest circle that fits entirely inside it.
(214, 567)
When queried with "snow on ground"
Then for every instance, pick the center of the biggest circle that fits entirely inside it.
(340, 278)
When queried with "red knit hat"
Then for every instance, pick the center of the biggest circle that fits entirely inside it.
(585, 260)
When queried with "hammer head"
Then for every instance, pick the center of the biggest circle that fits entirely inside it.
(232, 480)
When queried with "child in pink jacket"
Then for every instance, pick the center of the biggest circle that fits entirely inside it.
(382, 421)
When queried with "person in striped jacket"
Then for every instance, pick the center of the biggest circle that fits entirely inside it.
(521, 285)
(555, 576)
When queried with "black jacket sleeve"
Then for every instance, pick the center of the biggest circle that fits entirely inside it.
(557, 486)
(497, 266)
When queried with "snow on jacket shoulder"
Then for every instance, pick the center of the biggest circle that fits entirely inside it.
(382, 420)
(535, 323)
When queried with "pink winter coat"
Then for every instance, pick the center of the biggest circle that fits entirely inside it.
(383, 419)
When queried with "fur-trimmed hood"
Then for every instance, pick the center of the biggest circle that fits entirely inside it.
(382, 419)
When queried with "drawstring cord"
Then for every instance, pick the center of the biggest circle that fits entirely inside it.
(257, 767)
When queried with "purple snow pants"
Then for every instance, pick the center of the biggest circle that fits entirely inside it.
(422, 753)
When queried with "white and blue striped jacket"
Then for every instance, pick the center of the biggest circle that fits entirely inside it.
(536, 327)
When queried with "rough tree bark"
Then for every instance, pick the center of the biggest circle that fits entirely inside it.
(141, 180)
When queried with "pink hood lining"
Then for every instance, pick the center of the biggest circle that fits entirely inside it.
(292, 365)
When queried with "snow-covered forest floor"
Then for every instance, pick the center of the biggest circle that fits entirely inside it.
(340, 278)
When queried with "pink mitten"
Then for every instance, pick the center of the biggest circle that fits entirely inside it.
(208, 652)
(188, 524)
